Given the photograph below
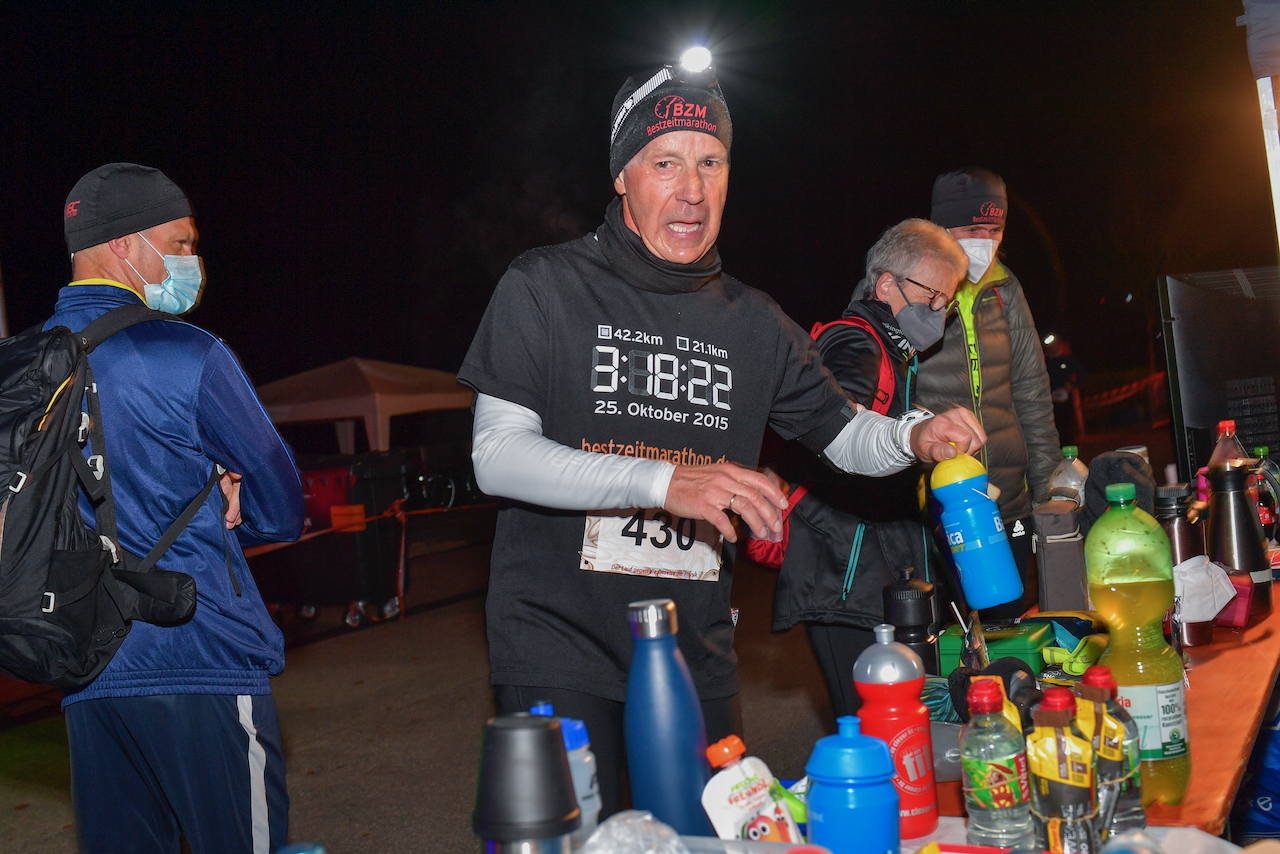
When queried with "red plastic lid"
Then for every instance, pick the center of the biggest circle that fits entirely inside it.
(725, 750)
(1228, 426)
(1058, 699)
(985, 698)
(1099, 676)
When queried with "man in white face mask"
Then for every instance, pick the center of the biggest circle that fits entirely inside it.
(990, 360)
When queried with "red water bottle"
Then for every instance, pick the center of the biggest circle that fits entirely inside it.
(889, 677)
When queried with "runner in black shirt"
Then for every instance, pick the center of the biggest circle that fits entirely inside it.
(624, 384)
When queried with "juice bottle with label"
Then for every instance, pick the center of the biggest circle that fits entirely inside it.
(1130, 569)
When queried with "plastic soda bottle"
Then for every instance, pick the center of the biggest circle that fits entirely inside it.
(1263, 493)
(975, 533)
(1070, 473)
(1228, 446)
(997, 787)
(889, 677)
(662, 723)
(1130, 568)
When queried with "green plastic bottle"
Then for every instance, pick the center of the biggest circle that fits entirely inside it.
(1130, 569)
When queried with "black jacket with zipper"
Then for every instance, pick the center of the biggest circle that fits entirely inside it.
(824, 523)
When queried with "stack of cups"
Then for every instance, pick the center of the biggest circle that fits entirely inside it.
(525, 800)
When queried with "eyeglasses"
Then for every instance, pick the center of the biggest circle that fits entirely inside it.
(937, 299)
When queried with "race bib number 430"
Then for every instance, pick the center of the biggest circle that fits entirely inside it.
(652, 543)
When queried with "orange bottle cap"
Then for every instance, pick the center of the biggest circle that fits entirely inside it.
(725, 750)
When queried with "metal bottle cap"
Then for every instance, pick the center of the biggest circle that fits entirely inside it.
(1170, 496)
(652, 618)
(886, 661)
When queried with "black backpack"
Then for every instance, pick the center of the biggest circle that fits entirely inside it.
(69, 593)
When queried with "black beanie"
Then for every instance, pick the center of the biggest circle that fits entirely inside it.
(969, 197)
(660, 105)
(119, 199)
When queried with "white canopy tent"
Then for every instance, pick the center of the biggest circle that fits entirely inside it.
(361, 389)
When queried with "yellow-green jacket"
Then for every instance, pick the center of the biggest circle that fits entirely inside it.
(990, 361)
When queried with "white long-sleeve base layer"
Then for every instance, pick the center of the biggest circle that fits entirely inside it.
(514, 460)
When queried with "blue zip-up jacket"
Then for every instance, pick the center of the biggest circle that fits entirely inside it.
(174, 402)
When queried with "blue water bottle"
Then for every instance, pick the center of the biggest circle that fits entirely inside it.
(975, 533)
(665, 734)
(853, 805)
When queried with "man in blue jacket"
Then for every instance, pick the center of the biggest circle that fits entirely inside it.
(178, 736)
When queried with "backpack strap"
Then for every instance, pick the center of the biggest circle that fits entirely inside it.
(886, 382)
(180, 524)
(117, 320)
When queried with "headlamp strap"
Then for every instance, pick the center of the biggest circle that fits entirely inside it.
(664, 74)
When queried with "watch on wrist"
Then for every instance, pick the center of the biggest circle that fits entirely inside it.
(902, 432)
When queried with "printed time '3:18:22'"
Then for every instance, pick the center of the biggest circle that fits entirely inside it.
(661, 376)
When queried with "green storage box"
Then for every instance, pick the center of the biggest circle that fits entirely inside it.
(1024, 641)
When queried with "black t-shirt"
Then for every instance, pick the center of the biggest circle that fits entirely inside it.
(613, 366)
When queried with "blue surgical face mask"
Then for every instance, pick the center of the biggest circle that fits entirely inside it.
(178, 292)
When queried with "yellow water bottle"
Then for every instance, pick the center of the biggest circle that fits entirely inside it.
(1130, 569)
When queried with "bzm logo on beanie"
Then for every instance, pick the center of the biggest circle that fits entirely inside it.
(71, 209)
(989, 212)
(673, 106)
(675, 113)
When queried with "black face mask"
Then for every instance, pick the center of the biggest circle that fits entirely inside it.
(640, 268)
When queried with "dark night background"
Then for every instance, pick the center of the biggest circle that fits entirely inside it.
(363, 172)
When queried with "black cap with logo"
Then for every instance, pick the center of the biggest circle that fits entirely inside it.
(669, 100)
(969, 197)
(119, 199)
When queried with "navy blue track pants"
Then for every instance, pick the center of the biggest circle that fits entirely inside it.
(147, 770)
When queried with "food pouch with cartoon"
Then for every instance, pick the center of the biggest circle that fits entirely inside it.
(742, 799)
(1062, 793)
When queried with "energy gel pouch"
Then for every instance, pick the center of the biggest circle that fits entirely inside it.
(1062, 793)
(1119, 798)
(1106, 737)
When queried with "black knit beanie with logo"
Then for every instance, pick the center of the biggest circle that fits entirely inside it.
(119, 199)
(662, 104)
(969, 197)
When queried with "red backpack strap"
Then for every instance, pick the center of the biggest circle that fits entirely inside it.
(885, 383)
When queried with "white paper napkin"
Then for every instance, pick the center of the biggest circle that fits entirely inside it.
(1203, 588)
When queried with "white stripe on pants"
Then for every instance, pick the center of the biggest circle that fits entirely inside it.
(257, 777)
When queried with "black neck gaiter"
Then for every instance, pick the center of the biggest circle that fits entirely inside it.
(640, 268)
